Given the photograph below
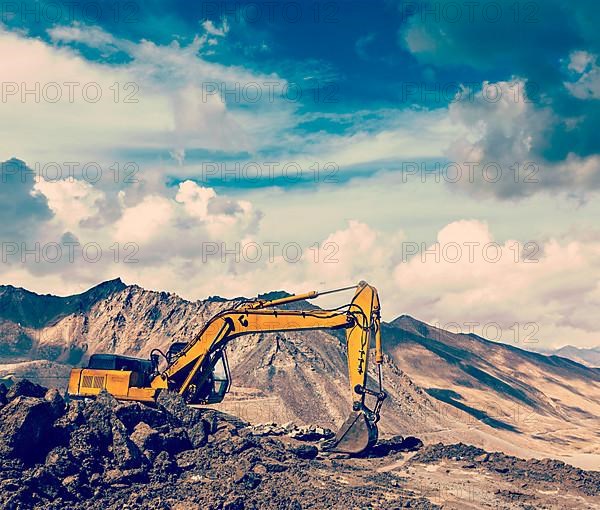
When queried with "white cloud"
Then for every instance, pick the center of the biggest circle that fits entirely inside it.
(91, 36)
(163, 98)
(587, 74)
(197, 243)
(71, 201)
(507, 135)
(212, 29)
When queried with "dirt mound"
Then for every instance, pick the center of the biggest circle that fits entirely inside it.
(109, 454)
(512, 468)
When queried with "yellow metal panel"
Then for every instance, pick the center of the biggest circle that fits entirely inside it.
(117, 382)
(74, 381)
(366, 306)
(142, 394)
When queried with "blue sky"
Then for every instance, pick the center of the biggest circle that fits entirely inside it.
(354, 131)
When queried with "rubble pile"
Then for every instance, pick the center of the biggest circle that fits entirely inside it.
(534, 471)
(106, 454)
(290, 429)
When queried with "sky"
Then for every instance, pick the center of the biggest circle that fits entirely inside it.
(447, 152)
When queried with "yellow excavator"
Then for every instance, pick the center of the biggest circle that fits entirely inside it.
(198, 370)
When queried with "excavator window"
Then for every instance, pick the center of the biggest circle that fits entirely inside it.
(217, 383)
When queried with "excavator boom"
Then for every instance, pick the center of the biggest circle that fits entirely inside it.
(198, 369)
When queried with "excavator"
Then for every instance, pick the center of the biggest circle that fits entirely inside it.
(199, 372)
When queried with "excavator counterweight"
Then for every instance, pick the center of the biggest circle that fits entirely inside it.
(198, 369)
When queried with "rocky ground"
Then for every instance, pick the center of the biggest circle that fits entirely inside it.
(108, 454)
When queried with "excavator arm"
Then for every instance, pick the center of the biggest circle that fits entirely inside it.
(189, 371)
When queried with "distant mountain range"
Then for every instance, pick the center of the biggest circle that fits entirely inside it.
(442, 385)
(589, 357)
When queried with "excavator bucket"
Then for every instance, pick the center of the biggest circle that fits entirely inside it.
(356, 435)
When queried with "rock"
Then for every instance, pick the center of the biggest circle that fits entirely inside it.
(124, 477)
(260, 469)
(99, 417)
(60, 462)
(3, 392)
(25, 388)
(10, 485)
(236, 503)
(112, 476)
(225, 430)
(83, 444)
(146, 438)
(175, 441)
(26, 428)
(177, 409)
(248, 479)
(125, 452)
(238, 444)
(198, 433)
(133, 413)
(164, 468)
(73, 416)
(411, 444)
(73, 483)
(305, 451)
(395, 444)
(276, 467)
(56, 401)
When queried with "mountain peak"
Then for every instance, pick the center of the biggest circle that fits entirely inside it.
(115, 284)
(411, 324)
(30, 309)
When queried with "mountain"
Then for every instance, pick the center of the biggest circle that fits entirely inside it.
(443, 386)
(530, 400)
(34, 310)
(589, 357)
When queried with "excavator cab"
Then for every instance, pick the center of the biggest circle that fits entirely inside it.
(209, 385)
(218, 381)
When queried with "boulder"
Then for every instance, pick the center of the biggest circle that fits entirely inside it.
(177, 410)
(175, 440)
(26, 427)
(25, 388)
(56, 401)
(132, 413)
(83, 444)
(198, 433)
(99, 417)
(146, 438)
(125, 452)
(60, 462)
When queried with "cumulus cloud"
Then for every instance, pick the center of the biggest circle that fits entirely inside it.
(549, 287)
(504, 152)
(72, 201)
(556, 127)
(541, 293)
(197, 242)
